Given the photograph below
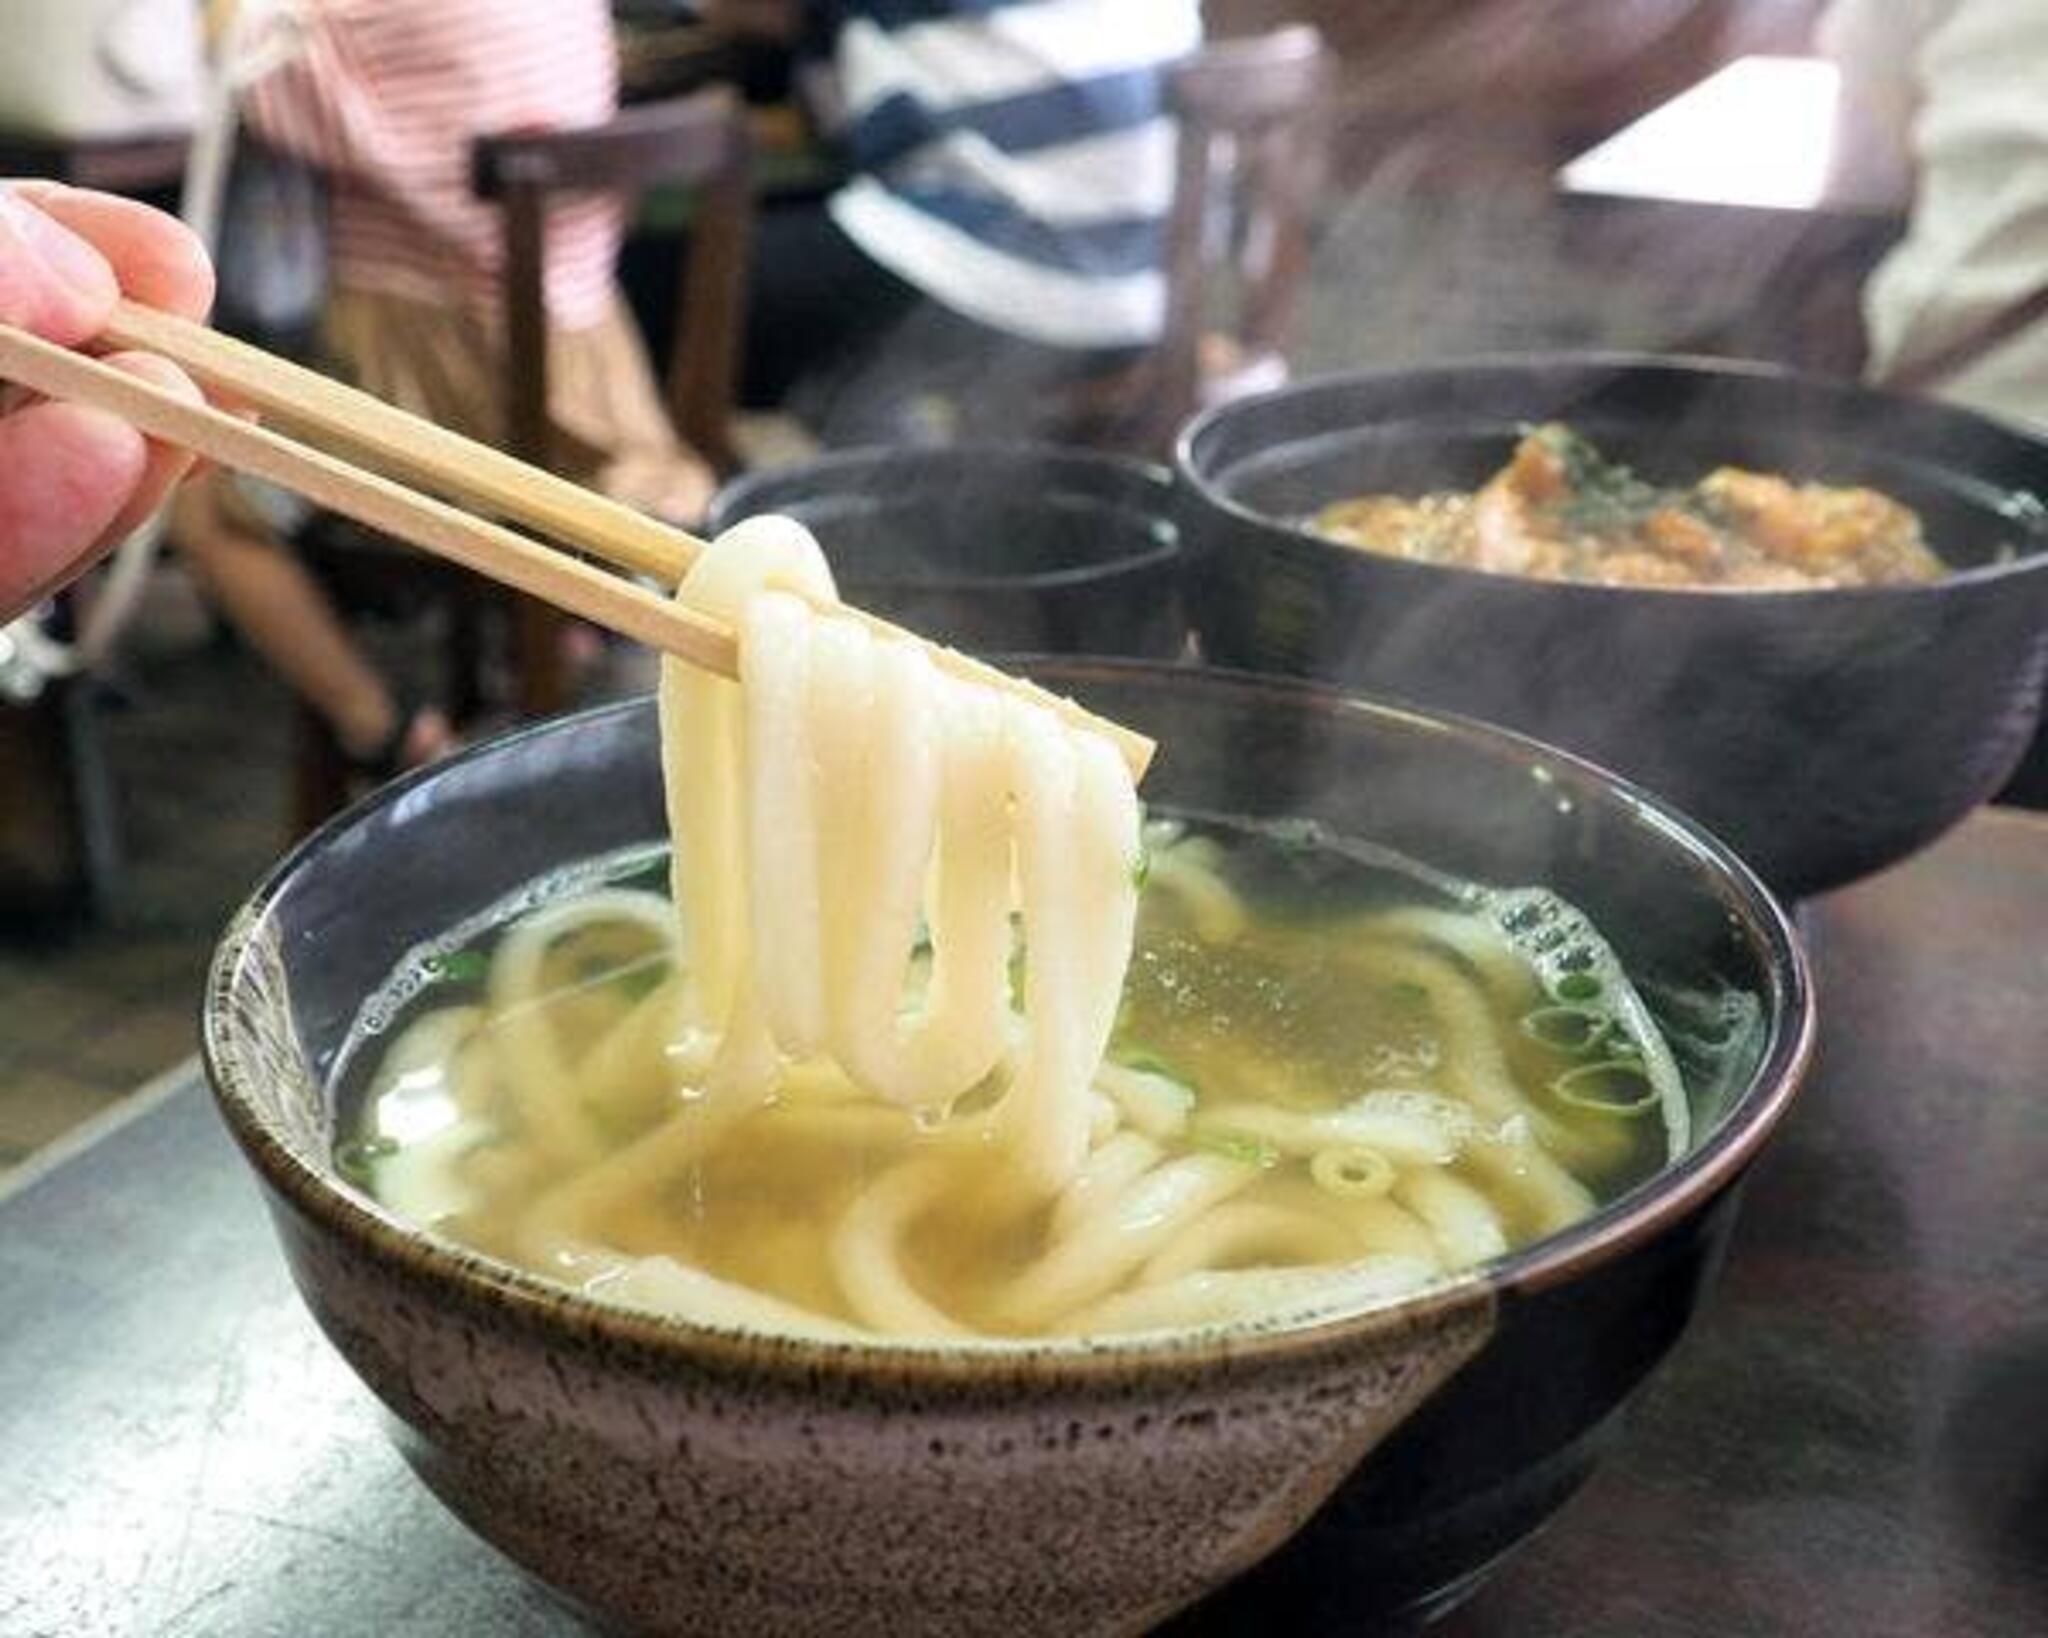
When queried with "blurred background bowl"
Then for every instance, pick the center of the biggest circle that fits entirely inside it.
(1825, 734)
(992, 547)
(683, 1479)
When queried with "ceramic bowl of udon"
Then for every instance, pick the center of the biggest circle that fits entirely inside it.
(1339, 1469)
(992, 548)
(1825, 733)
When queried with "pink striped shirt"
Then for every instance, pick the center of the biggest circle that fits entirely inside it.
(387, 99)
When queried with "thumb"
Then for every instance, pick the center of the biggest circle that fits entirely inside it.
(51, 281)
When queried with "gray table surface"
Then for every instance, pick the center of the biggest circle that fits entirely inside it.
(1850, 1440)
(181, 1453)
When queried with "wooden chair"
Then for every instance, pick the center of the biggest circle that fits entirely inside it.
(700, 142)
(1250, 166)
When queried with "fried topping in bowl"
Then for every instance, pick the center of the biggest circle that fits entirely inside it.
(1560, 510)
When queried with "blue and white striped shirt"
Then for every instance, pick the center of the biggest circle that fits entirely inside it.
(1015, 160)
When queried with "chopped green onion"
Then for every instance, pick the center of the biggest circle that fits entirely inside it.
(1141, 868)
(1578, 987)
(458, 967)
(357, 1159)
(1609, 1088)
(1239, 1146)
(1569, 1029)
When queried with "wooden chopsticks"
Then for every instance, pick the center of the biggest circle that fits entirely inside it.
(378, 502)
(370, 431)
(397, 449)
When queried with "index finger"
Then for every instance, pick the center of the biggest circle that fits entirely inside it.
(158, 260)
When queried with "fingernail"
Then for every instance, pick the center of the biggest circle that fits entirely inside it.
(69, 257)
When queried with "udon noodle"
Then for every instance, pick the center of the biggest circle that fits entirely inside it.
(843, 791)
(885, 1066)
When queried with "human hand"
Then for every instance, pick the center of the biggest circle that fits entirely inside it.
(75, 481)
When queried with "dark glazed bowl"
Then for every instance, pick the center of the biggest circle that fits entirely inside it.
(1825, 734)
(677, 1478)
(993, 548)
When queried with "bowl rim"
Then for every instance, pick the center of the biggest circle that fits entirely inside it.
(317, 1192)
(1199, 480)
(985, 454)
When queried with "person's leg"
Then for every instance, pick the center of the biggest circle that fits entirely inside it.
(281, 612)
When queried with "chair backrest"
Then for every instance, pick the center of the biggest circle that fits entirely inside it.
(699, 140)
(1251, 113)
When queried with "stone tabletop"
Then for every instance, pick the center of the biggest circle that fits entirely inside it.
(1853, 1439)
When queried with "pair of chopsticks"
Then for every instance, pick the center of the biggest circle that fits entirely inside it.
(376, 454)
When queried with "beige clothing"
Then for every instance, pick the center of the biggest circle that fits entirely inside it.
(446, 364)
(1948, 96)
(611, 429)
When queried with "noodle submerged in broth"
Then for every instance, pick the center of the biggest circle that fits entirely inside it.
(1328, 1080)
(909, 1054)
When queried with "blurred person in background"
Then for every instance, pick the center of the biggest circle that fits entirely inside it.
(386, 98)
(74, 481)
(1946, 102)
(1943, 102)
(1002, 235)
